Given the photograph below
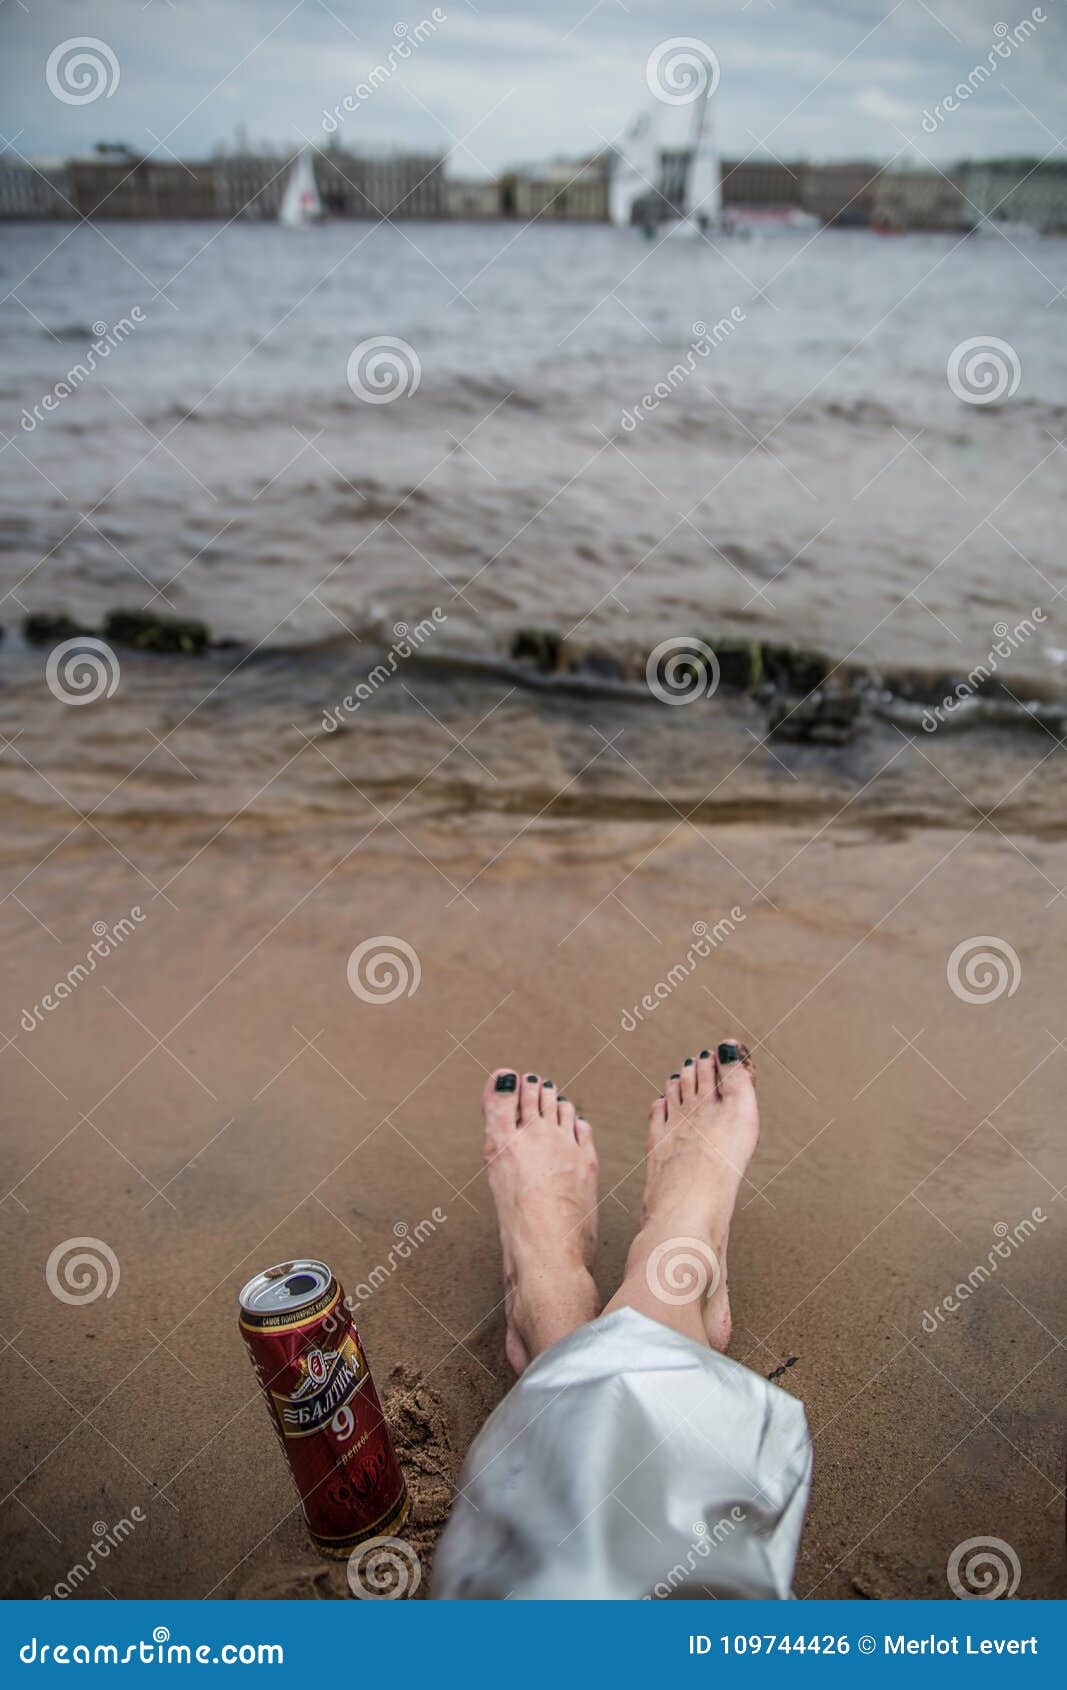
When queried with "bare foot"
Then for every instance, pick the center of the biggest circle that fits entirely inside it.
(542, 1173)
(701, 1135)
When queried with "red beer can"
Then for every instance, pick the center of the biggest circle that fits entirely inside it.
(310, 1363)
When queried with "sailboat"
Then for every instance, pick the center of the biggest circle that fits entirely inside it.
(301, 206)
(636, 170)
(638, 174)
(702, 201)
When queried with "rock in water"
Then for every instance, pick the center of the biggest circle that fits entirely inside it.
(541, 645)
(48, 627)
(793, 670)
(826, 718)
(148, 632)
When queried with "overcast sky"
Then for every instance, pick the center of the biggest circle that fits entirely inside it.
(502, 81)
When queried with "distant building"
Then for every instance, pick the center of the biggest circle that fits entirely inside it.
(249, 185)
(1017, 190)
(918, 199)
(471, 199)
(381, 184)
(763, 183)
(841, 194)
(120, 184)
(34, 190)
(561, 191)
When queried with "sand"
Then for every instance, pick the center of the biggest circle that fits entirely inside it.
(215, 1098)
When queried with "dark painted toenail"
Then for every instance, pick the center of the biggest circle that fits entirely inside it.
(704, 1055)
(729, 1053)
(676, 1076)
(688, 1063)
(531, 1079)
(506, 1082)
(562, 1098)
(547, 1083)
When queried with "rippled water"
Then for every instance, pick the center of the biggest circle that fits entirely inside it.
(219, 457)
(814, 478)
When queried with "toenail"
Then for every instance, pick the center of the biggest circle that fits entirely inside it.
(676, 1076)
(548, 1083)
(506, 1082)
(531, 1079)
(704, 1055)
(729, 1053)
(562, 1098)
(688, 1063)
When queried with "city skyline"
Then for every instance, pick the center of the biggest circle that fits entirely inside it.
(492, 85)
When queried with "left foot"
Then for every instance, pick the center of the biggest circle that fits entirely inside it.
(542, 1172)
(701, 1136)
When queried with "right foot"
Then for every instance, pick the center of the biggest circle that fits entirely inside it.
(542, 1172)
(701, 1137)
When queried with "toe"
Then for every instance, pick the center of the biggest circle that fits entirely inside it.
(674, 1091)
(500, 1103)
(549, 1102)
(568, 1115)
(583, 1132)
(705, 1073)
(657, 1118)
(689, 1079)
(734, 1069)
(529, 1099)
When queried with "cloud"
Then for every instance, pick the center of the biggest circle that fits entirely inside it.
(826, 78)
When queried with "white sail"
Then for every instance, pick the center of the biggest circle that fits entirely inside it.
(636, 168)
(301, 205)
(703, 198)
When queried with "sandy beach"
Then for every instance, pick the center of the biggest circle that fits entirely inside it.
(216, 1097)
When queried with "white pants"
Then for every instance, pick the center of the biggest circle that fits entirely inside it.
(629, 1461)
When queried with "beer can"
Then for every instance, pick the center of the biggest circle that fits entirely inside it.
(310, 1364)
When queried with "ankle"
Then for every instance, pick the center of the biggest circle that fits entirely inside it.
(549, 1307)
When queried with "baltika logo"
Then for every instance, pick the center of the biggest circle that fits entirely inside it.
(328, 1380)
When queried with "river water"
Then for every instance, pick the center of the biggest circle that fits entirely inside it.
(579, 448)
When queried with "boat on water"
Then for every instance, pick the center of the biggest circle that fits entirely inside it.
(690, 208)
(301, 207)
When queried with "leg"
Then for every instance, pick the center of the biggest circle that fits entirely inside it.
(542, 1174)
(702, 1133)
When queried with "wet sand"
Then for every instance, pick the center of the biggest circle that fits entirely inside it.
(216, 1098)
